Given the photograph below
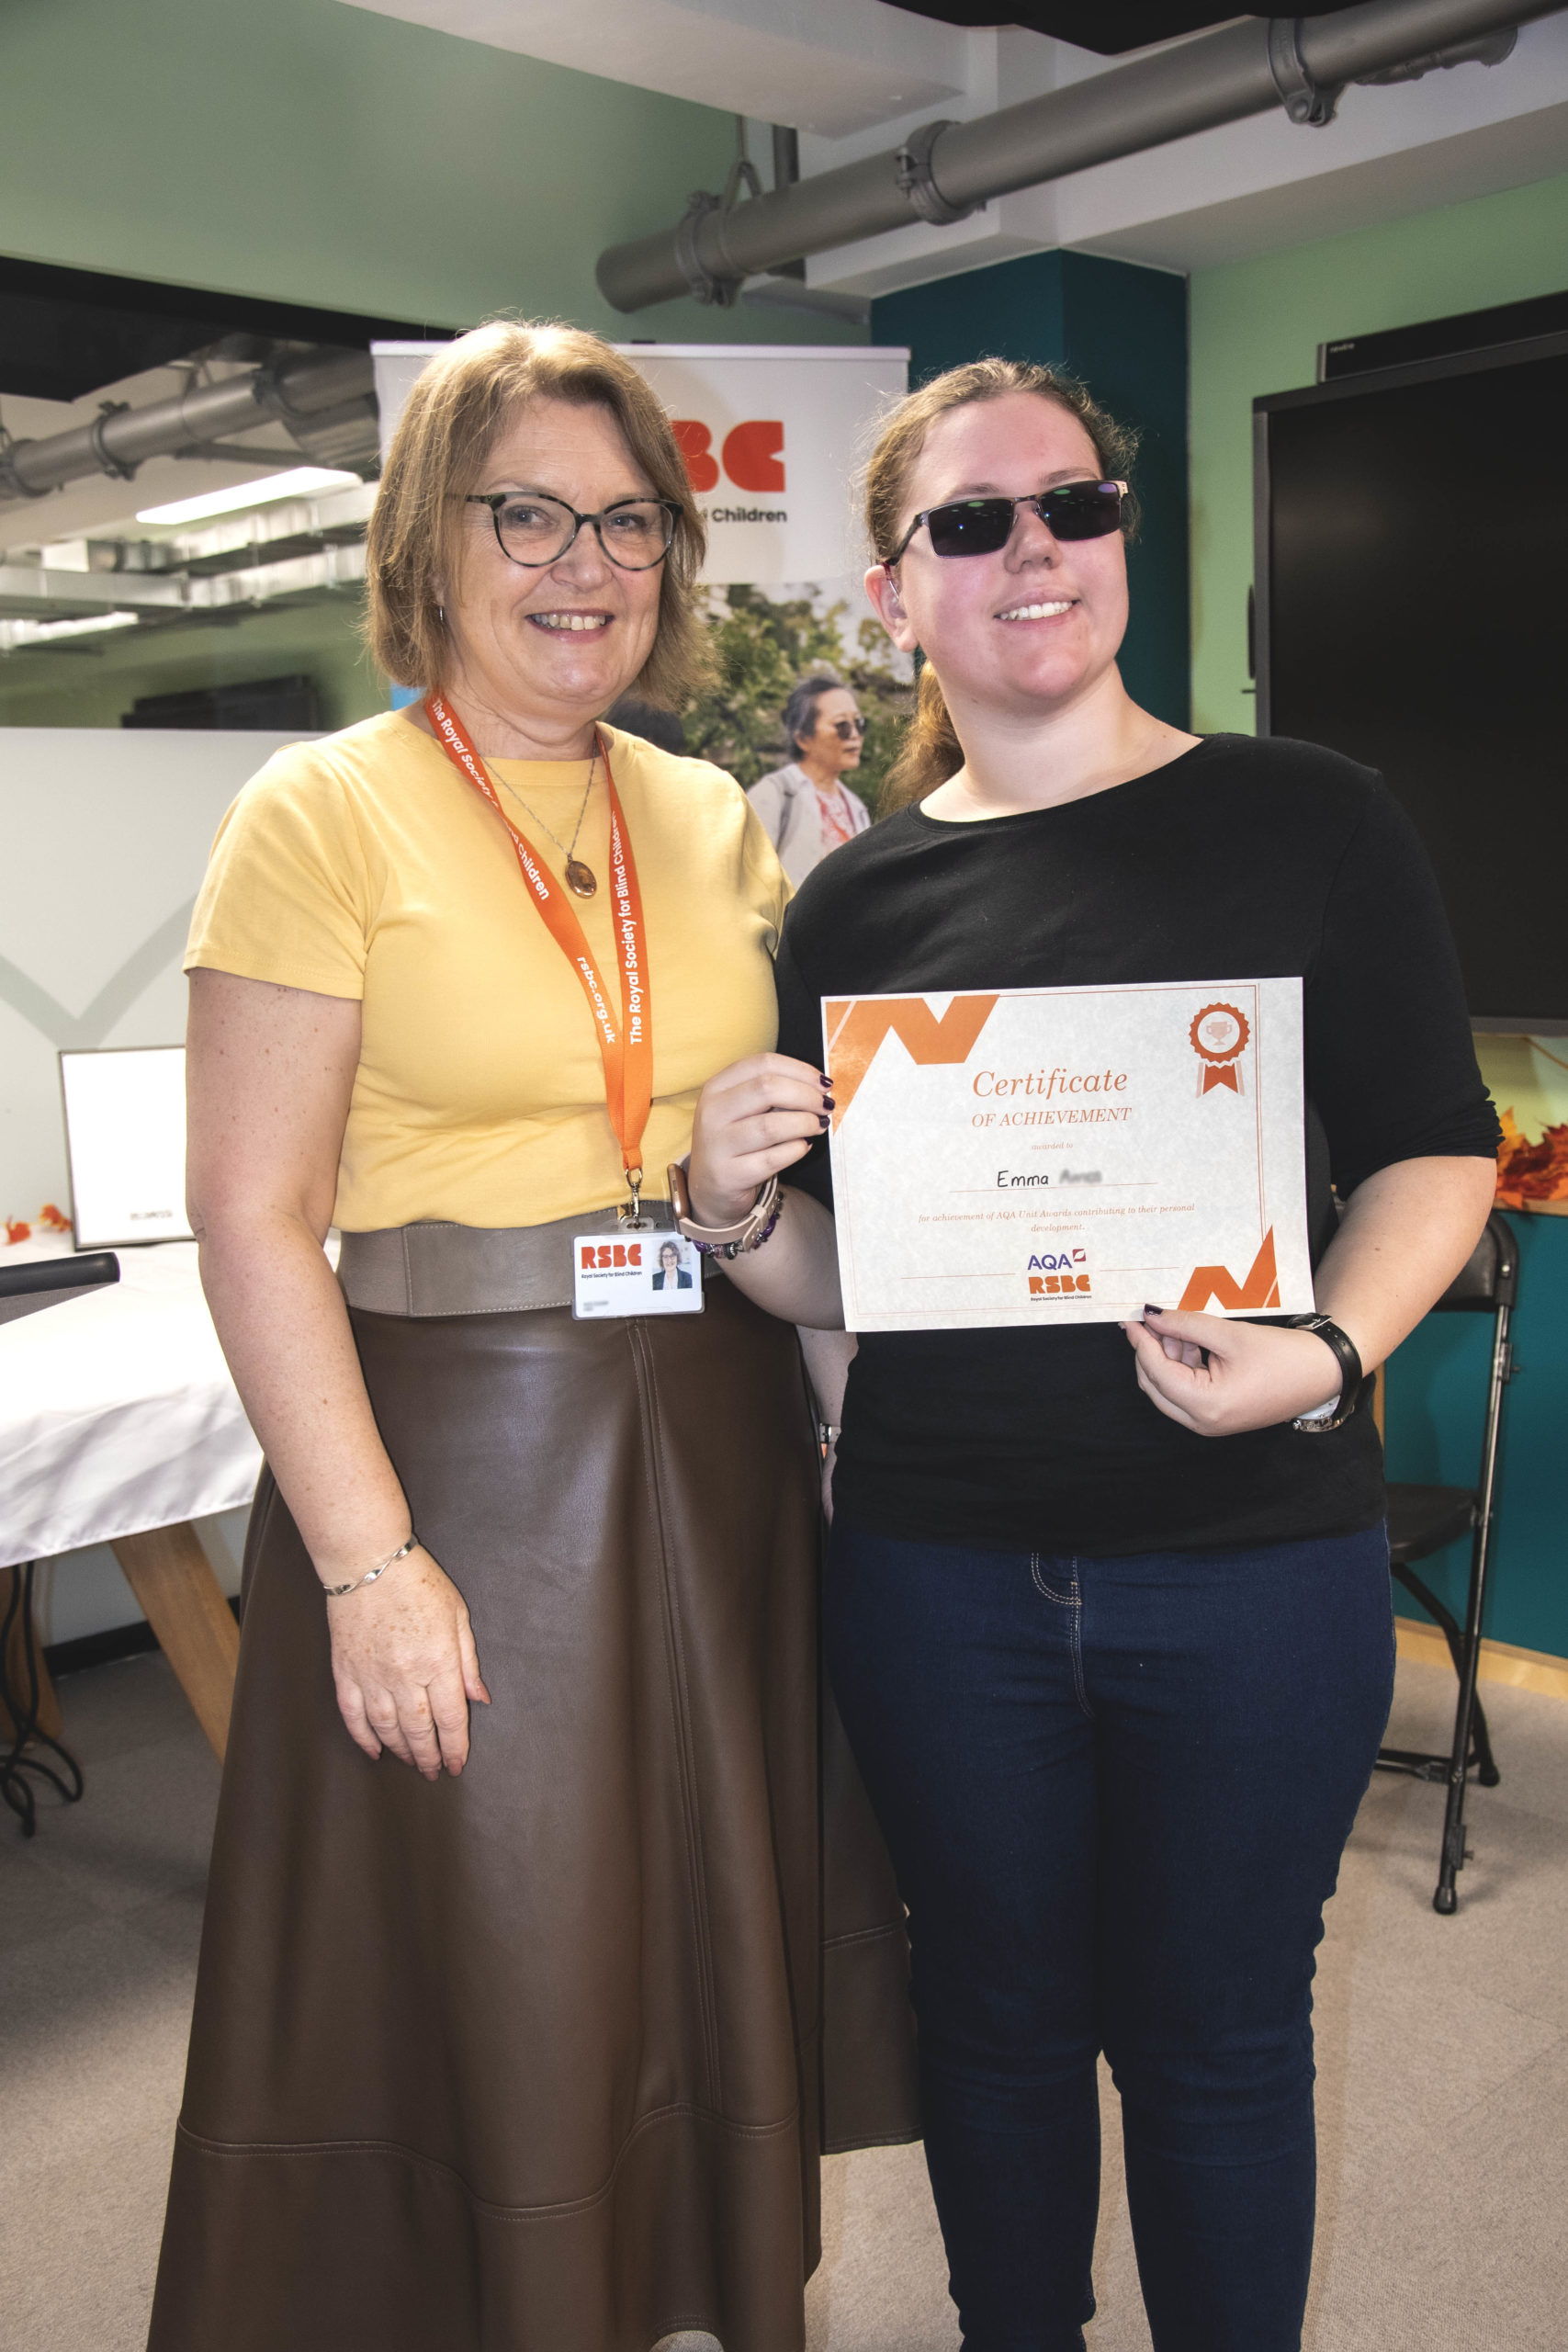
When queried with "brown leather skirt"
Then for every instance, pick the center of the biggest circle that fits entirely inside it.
(541, 2059)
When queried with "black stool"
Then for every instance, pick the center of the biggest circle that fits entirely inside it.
(1422, 1520)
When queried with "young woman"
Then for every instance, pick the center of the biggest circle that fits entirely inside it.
(1109, 1627)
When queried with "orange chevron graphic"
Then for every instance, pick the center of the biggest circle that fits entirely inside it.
(1262, 1287)
(857, 1025)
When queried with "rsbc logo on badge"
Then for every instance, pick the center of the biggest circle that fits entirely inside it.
(646, 1274)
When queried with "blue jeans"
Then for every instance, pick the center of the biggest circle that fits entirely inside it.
(1116, 1792)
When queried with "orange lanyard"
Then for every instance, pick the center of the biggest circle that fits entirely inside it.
(627, 1046)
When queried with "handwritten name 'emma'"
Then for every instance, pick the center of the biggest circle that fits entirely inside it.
(1047, 1082)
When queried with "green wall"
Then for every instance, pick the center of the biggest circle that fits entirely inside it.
(1122, 330)
(1256, 327)
(313, 152)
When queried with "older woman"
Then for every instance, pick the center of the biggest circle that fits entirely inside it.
(520, 2046)
(805, 805)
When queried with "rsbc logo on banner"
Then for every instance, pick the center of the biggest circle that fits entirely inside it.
(751, 454)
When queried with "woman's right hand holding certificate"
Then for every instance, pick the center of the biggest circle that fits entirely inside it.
(757, 1119)
(754, 1120)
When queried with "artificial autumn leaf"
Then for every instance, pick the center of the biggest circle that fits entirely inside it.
(18, 1230)
(52, 1220)
(1532, 1171)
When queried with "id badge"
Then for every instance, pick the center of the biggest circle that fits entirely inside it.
(634, 1273)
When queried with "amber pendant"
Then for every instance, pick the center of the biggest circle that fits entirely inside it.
(581, 877)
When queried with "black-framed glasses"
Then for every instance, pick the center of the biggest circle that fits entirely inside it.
(535, 529)
(1073, 510)
(846, 729)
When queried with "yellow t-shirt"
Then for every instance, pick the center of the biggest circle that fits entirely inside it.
(364, 865)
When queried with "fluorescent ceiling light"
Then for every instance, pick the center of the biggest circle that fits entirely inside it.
(301, 481)
(43, 632)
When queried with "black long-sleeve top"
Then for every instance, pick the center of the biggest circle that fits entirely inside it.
(1240, 859)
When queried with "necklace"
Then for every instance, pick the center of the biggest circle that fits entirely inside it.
(580, 877)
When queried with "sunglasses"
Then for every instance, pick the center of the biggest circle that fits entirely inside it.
(846, 729)
(1076, 510)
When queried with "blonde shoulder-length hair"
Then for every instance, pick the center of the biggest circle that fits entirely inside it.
(459, 405)
(930, 751)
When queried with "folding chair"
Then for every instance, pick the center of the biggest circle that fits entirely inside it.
(1422, 1520)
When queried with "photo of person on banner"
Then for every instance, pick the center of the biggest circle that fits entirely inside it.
(805, 805)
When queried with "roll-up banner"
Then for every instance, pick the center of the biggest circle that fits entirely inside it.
(773, 436)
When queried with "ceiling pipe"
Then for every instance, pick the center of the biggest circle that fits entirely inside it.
(947, 170)
(120, 438)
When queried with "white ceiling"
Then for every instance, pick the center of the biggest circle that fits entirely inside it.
(832, 66)
(1249, 188)
(855, 76)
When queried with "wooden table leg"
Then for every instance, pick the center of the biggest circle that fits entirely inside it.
(16, 1668)
(172, 1577)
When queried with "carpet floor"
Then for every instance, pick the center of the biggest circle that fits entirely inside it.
(1442, 2049)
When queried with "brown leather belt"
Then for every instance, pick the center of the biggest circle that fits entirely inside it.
(438, 1269)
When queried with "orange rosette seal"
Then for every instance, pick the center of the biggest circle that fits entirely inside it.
(1219, 1035)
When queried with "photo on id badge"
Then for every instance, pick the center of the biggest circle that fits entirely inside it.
(634, 1273)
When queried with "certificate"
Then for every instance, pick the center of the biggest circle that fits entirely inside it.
(1063, 1154)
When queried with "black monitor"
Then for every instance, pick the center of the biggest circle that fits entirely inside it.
(1412, 611)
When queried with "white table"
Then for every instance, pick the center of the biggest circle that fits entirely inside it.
(119, 1425)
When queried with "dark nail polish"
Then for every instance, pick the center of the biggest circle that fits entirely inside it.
(1152, 1310)
(829, 1103)
(824, 1121)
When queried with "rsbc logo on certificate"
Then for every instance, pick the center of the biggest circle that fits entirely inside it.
(1061, 1155)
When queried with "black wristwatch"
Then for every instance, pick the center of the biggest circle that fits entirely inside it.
(1352, 1377)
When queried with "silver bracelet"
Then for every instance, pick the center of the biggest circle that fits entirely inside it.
(336, 1591)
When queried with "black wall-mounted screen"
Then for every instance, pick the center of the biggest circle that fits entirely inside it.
(1413, 612)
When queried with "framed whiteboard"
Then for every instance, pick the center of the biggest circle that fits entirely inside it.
(125, 1137)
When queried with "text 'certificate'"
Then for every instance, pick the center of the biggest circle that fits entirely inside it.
(1063, 1154)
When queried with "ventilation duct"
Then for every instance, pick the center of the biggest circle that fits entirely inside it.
(946, 170)
(326, 400)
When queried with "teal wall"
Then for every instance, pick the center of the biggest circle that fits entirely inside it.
(1122, 330)
(1437, 1387)
(1256, 327)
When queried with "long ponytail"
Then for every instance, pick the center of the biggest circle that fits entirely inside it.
(930, 753)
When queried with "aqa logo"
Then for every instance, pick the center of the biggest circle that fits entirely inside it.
(1052, 1276)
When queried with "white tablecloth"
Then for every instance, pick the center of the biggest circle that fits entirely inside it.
(117, 1411)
